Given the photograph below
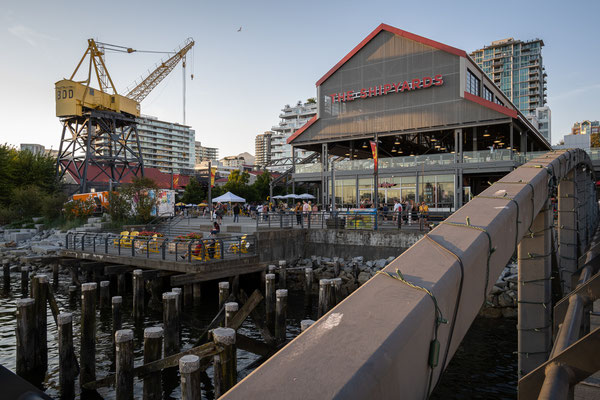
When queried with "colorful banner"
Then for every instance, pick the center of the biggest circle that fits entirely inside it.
(213, 172)
(374, 151)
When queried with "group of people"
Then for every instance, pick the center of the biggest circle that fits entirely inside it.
(409, 206)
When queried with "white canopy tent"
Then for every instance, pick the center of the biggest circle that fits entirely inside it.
(229, 198)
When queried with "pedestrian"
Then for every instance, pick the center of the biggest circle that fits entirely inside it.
(236, 213)
(298, 211)
(424, 211)
(397, 210)
(306, 210)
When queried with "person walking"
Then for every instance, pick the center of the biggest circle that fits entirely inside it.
(236, 213)
(397, 210)
(298, 211)
(424, 211)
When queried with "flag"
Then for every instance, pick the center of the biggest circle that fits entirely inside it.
(374, 151)
(213, 172)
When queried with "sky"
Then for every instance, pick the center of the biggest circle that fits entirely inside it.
(243, 79)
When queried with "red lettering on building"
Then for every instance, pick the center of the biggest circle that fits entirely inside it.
(388, 88)
(416, 84)
(349, 96)
(372, 91)
(363, 93)
(437, 80)
(426, 82)
(405, 86)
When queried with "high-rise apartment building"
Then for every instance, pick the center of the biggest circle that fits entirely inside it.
(262, 148)
(165, 145)
(291, 119)
(204, 153)
(516, 67)
(543, 118)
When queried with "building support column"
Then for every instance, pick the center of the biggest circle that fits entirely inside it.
(581, 202)
(376, 178)
(512, 145)
(458, 157)
(323, 170)
(293, 169)
(474, 138)
(534, 294)
(567, 230)
(524, 142)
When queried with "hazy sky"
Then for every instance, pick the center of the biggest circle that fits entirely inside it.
(243, 79)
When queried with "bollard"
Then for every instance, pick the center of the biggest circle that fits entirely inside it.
(170, 323)
(179, 292)
(25, 281)
(121, 284)
(223, 293)
(324, 288)
(104, 295)
(281, 314)
(270, 301)
(188, 296)
(153, 338)
(87, 354)
(66, 356)
(39, 291)
(6, 272)
(189, 369)
(117, 303)
(230, 310)
(282, 274)
(225, 337)
(272, 269)
(305, 323)
(336, 291)
(138, 293)
(26, 337)
(124, 367)
(55, 276)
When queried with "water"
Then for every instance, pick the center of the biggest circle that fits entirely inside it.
(194, 321)
(484, 367)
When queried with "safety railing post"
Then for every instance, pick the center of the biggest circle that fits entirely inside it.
(534, 294)
(83, 242)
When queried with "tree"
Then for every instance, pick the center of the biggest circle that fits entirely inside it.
(261, 186)
(311, 100)
(194, 192)
(139, 193)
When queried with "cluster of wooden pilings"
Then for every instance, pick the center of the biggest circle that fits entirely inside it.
(161, 344)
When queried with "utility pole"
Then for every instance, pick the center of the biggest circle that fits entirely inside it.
(210, 189)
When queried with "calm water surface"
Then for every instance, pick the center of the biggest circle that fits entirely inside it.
(484, 367)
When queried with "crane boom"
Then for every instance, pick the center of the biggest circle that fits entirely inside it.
(141, 90)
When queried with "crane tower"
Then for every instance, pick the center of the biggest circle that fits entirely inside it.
(99, 124)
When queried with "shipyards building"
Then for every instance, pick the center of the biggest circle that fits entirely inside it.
(441, 128)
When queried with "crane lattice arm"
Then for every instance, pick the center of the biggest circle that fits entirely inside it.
(141, 90)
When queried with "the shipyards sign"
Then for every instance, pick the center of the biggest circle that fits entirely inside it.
(399, 87)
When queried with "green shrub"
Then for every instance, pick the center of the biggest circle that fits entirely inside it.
(27, 201)
(79, 209)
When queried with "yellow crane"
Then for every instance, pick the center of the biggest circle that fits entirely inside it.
(74, 97)
(100, 143)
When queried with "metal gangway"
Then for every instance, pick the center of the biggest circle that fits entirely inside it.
(395, 335)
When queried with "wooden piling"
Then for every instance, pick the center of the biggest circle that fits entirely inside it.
(55, 276)
(231, 309)
(67, 368)
(336, 292)
(305, 323)
(124, 367)
(170, 323)
(153, 338)
(138, 293)
(117, 322)
(272, 269)
(25, 281)
(122, 284)
(188, 296)
(308, 280)
(282, 274)
(73, 295)
(189, 369)
(270, 301)
(179, 292)
(336, 267)
(39, 289)
(197, 289)
(225, 337)
(6, 275)
(281, 314)
(104, 295)
(26, 337)
(324, 288)
(217, 377)
(223, 293)
(87, 354)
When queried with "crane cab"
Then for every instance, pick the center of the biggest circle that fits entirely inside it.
(73, 97)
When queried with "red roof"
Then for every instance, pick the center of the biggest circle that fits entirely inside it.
(396, 31)
(162, 179)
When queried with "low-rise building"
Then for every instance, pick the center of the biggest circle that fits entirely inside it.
(204, 153)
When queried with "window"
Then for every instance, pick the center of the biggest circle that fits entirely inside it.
(487, 94)
(473, 84)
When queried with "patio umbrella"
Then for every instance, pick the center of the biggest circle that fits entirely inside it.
(277, 197)
(180, 204)
(190, 205)
(202, 205)
(290, 196)
(306, 196)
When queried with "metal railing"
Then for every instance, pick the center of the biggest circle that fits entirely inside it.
(352, 220)
(398, 332)
(180, 250)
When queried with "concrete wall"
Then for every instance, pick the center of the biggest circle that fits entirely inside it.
(289, 244)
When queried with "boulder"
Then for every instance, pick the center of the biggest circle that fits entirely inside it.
(504, 300)
(380, 264)
(510, 312)
(496, 290)
(363, 277)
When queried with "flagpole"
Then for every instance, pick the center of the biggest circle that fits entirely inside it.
(210, 190)
(375, 150)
